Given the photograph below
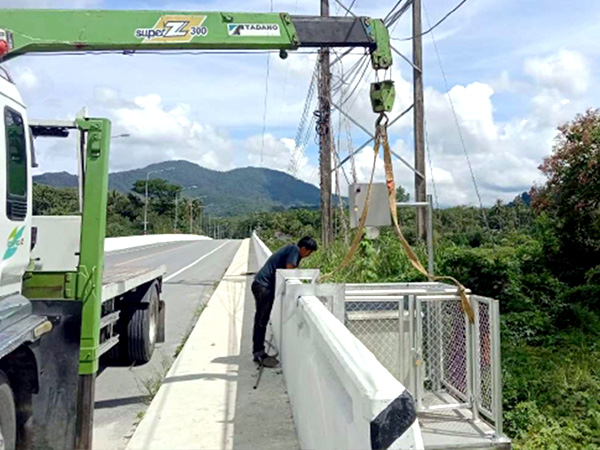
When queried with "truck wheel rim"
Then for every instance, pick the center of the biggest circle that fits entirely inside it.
(2, 445)
(151, 328)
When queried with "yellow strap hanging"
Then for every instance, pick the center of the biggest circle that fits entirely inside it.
(381, 132)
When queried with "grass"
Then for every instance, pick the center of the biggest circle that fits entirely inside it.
(150, 384)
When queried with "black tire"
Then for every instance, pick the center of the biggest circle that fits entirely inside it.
(8, 418)
(142, 329)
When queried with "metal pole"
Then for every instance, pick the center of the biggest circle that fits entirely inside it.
(496, 366)
(146, 205)
(191, 214)
(430, 255)
(475, 338)
(325, 138)
(81, 158)
(176, 203)
(85, 412)
(419, 131)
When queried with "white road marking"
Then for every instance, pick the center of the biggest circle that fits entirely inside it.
(194, 263)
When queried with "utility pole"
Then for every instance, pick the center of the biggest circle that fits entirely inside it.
(176, 204)
(146, 194)
(176, 211)
(419, 113)
(325, 137)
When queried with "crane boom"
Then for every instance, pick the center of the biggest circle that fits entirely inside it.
(42, 31)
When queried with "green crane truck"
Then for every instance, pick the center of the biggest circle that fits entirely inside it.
(59, 309)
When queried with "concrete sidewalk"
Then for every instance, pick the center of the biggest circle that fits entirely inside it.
(207, 400)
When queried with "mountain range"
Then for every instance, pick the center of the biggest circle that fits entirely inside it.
(238, 191)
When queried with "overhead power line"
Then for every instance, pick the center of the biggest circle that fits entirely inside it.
(456, 121)
(305, 126)
(438, 23)
(264, 128)
(393, 17)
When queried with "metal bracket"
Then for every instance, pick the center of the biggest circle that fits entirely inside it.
(383, 95)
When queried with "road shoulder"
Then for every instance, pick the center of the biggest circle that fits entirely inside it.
(207, 400)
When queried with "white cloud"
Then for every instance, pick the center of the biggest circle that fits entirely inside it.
(70, 4)
(25, 78)
(566, 71)
(274, 153)
(158, 133)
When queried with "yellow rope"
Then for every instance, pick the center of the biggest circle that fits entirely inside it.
(381, 131)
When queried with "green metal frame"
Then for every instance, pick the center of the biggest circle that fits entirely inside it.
(50, 285)
(381, 57)
(93, 232)
(78, 30)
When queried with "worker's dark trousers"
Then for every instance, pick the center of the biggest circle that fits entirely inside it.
(264, 303)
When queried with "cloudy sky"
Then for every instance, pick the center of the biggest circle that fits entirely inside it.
(514, 71)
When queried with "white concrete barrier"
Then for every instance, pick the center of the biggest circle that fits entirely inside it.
(261, 251)
(125, 242)
(341, 396)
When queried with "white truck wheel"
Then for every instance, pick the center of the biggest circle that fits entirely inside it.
(142, 329)
(8, 419)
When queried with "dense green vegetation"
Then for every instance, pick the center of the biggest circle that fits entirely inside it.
(125, 212)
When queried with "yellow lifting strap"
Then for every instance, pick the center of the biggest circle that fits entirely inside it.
(381, 138)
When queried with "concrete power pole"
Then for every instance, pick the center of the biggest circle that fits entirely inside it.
(325, 138)
(419, 128)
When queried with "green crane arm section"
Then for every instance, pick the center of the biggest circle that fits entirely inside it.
(93, 231)
(39, 31)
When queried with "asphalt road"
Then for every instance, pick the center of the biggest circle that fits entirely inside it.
(122, 392)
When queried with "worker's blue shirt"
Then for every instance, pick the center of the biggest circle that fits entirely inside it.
(288, 255)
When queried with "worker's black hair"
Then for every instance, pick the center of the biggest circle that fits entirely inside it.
(308, 243)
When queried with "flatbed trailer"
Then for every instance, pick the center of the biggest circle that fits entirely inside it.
(133, 315)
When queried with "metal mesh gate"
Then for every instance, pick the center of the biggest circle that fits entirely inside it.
(443, 334)
(420, 333)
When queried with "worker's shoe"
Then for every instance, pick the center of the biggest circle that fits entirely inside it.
(265, 360)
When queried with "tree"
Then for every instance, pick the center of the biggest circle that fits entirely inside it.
(161, 194)
(51, 201)
(571, 194)
(402, 194)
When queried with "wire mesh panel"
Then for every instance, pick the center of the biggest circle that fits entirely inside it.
(484, 375)
(376, 325)
(444, 343)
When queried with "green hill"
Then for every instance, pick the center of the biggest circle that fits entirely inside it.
(234, 192)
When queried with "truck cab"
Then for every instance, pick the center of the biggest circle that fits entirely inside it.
(16, 191)
(60, 310)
